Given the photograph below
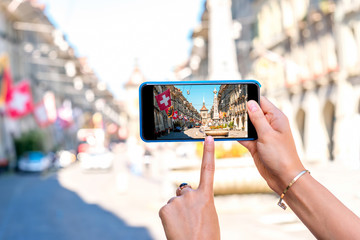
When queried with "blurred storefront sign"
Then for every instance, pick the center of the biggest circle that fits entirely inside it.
(45, 111)
(90, 138)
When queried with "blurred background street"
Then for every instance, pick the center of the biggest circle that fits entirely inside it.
(72, 204)
(72, 164)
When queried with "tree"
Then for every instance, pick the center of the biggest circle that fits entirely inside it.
(29, 141)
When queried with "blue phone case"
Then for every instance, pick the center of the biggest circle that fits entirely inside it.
(194, 83)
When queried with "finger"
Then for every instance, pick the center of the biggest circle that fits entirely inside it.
(274, 115)
(207, 166)
(171, 199)
(249, 145)
(267, 106)
(258, 118)
(182, 191)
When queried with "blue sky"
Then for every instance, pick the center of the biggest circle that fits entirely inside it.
(113, 33)
(197, 92)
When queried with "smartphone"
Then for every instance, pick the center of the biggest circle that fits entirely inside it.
(192, 110)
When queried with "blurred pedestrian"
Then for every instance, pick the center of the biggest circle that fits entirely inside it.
(192, 214)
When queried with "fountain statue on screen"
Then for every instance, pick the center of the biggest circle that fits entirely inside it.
(215, 117)
(216, 130)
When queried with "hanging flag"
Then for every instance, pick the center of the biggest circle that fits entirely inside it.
(181, 117)
(164, 100)
(45, 111)
(65, 115)
(170, 111)
(5, 79)
(19, 100)
(4, 162)
(185, 118)
(175, 116)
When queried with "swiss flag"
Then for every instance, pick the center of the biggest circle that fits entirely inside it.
(175, 115)
(19, 100)
(45, 111)
(65, 115)
(163, 100)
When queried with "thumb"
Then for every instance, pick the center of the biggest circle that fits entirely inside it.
(258, 118)
(207, 166)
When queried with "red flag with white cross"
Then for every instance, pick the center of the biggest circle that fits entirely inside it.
(163, 100)
(175, 115)
(19, 100)
(45, 111)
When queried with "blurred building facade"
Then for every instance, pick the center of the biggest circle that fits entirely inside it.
(40, 53)
(132, 103)
(306, 56)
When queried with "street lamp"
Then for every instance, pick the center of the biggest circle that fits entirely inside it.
(70, 68)
(101, 86)
(78, 83)
(89, 95)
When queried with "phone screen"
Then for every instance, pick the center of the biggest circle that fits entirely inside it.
(187, 111)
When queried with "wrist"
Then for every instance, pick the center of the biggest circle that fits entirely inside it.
(285, 179)
(280, 203)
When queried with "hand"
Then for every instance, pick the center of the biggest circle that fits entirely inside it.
(192, 214)
(274, 151)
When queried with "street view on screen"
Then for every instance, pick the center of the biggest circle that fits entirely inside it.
(196, 111)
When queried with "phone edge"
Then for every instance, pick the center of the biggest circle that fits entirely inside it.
(198, 82)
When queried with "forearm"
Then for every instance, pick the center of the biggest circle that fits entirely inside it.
(275, 157)
(324, 215)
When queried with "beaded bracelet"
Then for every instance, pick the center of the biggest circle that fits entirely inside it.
(280, 203)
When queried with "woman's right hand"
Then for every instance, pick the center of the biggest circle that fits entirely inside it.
(274, 151)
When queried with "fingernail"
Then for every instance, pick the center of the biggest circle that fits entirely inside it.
(253, 107)
(209, 139)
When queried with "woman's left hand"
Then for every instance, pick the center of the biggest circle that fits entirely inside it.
(192, 214)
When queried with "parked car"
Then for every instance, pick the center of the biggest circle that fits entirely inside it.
(99, 159)
(34, 161)
(177, 129)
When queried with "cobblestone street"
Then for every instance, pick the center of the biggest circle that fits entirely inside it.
(72, 204)
(198, 133)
